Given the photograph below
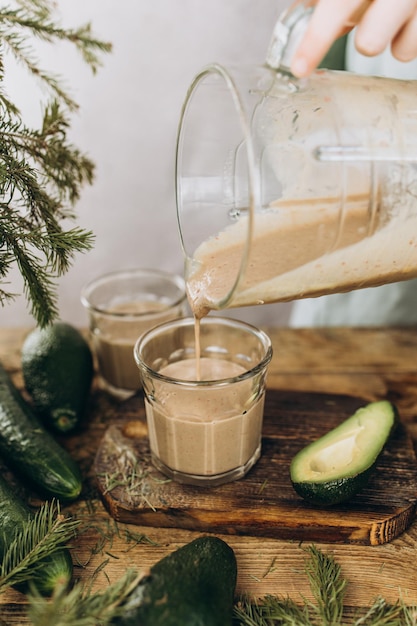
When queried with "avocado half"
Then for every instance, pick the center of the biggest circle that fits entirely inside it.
(337, 466)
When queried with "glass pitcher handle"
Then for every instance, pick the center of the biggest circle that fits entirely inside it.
(287, 34)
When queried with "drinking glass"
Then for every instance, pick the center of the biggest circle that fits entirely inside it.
(121, 306)
(204, 412)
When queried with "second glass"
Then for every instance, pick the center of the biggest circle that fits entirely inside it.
(122, 305)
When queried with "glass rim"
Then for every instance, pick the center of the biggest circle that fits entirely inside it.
(172, 278)
(189, 321)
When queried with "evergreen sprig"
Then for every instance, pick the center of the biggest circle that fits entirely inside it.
(41, 172)
(39, 537)
(35, 18)
(81, 606)
(328, 586)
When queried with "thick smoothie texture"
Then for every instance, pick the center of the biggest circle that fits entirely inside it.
(205, 430)
(303, 248)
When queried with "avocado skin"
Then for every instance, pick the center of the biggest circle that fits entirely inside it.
(57, 368)
(331, 491)
(193, 586)
(334, 491)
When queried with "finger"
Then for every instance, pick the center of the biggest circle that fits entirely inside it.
(381, 23)
(404, 45)
(329, 21)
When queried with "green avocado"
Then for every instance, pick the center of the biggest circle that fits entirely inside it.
(193, 586)
(337, 466)
(57, 367)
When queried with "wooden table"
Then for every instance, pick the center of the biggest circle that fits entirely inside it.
(370, 363)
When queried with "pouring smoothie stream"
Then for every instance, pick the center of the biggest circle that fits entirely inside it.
(286, 188)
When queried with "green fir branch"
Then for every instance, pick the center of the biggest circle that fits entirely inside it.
(39, 537)
(41, 172)
(49, 158)
(383, 614)
(327, 585)
(270, 611)
(328, 588)
(81, 606)
(35, 20)
(39, 287)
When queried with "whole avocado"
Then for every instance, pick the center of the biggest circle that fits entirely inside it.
(193, 586)
(57, 368)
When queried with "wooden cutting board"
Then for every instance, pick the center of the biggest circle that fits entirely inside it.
(264, 502)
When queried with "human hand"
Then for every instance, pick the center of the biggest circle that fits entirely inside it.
(379, 23)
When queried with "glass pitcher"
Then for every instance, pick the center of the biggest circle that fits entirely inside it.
(290, 188)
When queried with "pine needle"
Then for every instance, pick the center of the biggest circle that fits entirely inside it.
(328, 588)
(327, 585)
(272, 610)
(80, 606)
(383, 614)
(41, 535)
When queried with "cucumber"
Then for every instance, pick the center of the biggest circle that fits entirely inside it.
(56, 569)
(30, 451)
(337, 466)
(193, 586)
(57, 367)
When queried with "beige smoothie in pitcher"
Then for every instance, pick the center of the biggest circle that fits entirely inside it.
(302, 249)
(290, 189)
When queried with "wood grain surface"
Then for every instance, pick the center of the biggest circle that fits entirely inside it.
(363, 363)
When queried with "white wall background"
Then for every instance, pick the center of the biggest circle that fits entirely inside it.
(127, 123)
